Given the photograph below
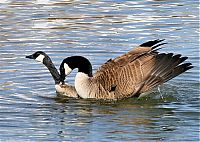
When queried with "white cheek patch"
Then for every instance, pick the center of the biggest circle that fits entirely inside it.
(68, 70)
(40, 58)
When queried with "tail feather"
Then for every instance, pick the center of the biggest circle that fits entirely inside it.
(160, 62)
(166, 67)
(172, 63)
(169, 75)
(177, 70)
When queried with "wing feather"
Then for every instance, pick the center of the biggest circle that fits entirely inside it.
(139, 70)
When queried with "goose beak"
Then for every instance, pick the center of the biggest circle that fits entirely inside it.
(30, 57)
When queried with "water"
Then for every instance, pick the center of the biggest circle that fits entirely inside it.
(30, 109)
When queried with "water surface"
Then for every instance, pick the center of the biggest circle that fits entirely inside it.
(30, 109)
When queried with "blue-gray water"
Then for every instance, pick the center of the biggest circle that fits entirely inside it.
(29, 107)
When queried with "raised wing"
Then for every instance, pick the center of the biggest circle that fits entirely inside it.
(140, 70)
(137, 71)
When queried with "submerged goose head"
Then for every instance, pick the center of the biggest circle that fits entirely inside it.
(60, 85)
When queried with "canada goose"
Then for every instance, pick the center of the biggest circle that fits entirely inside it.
(136, 72)
(61, 87)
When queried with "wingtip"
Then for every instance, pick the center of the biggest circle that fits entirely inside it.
(187, 66)
(154, 47)
(152, 43)
(159, 40)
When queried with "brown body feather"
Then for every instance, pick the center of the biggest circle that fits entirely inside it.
(138, 71)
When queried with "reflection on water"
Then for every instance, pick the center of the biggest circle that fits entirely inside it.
(30, 110)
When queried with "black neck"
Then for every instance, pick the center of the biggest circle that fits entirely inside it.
(54, 72)
(84, 65)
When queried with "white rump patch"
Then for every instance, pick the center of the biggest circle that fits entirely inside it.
(68, 70)
(40, 58)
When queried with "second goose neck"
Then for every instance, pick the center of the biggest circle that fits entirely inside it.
(52, 69)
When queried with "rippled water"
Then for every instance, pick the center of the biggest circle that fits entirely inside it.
(30, 109)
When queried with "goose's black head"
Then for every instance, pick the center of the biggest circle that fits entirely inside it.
(45, 59)
(38, 56)
(73, 62)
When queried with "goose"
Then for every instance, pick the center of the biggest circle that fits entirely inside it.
(129, 75)
(61, 87)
